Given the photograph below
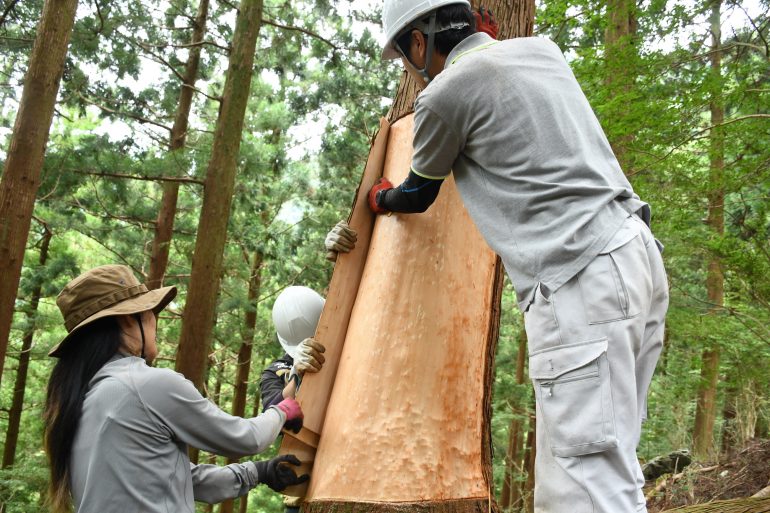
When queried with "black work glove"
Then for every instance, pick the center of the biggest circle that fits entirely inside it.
(277, 474)
(293, 425)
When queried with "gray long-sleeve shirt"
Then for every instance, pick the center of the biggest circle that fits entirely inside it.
(130, 451)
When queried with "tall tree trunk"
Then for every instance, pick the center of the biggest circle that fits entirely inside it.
(17, 405)
(164, 228)
(511, 493)
(200, 311)
(244, 353)
(620, 55)
(705, 413)
(339, 481)
(24, 163)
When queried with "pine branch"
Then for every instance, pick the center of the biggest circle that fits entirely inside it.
(300, 29)
(126, 176)
(7, 11)
(130, 115)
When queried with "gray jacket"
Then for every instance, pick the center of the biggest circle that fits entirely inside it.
(130, 451)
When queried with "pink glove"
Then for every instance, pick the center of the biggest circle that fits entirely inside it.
(291, 408)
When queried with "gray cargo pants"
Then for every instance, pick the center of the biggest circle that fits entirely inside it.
(593, 345)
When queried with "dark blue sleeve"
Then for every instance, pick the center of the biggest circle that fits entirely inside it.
(414, 196)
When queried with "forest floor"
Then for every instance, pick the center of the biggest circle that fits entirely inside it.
(738, 475)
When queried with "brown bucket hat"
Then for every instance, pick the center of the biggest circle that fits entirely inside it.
(104, 291)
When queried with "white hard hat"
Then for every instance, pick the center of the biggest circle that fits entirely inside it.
(295, 315)
(398, 14)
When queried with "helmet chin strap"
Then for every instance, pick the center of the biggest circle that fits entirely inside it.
(428, 50)
(138, 318)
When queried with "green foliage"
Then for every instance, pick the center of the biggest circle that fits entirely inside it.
(317, 94)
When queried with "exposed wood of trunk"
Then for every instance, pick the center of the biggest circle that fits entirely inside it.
(164, 228)
(753, 505)
(511, 493)
(706, 409)
(620, 50)
(200, 310)
(24, 161)
(244, 354)
(17, 404)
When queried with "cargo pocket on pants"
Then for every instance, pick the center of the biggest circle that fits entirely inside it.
(572, 383)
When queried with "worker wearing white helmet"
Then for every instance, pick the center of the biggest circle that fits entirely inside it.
(295, 315)
(539, 178)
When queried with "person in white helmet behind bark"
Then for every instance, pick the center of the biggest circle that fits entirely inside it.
(536, 173)
(296, 312)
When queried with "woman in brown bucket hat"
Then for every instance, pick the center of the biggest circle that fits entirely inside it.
(117, 430)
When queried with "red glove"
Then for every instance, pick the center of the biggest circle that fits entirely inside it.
(486, 22)
(291, 408)
(383, 184)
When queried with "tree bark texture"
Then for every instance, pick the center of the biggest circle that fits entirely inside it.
(244, 354)
(753, 505)
(164, 228)
(706, 409)
(17, 403)
(24, 162)
(200, 311)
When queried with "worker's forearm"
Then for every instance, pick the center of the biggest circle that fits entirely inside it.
(415, 195)
(290, 390)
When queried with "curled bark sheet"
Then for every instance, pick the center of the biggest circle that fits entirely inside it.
(407, 425)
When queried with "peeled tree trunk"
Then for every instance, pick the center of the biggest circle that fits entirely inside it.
(399, 418)
(24, 163)
(200, 310)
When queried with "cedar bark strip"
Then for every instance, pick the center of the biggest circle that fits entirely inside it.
(412, 391)
(164, 228)
(200, 311)
(333, 324)
(24, 163)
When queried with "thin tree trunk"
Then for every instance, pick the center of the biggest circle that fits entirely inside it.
(17, 405)
(200, 311)
(243, 502)
(244, 353)
(705, 413)
(211, 459)
(164, 228)
(620, 55)
(24, 163)
(511, 493)
(528, 492)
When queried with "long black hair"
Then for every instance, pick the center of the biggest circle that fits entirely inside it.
(86, 353)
